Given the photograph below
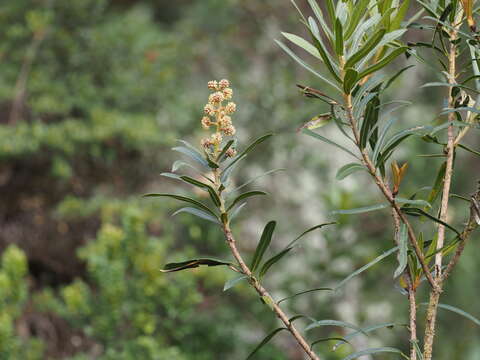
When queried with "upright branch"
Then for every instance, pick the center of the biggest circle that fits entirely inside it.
(447, 180)
(217, 148)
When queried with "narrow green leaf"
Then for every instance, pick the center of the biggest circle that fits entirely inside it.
(331, 10)
(365, 267)
(381, 139)
(321, 18)
(211, 190)
(383, 62)
(319, 226)
(304, 44)
(193, 154)
(360, 10)
(256, 178)
(268, 264)
(400, 15)
(189, 264)
(304, 292)
(367, 329)
(370, 121)
(365, 49)
(418, 202)
(438, 184)
(329, 339)
(370, 351)
(350, 80)
(264, 341)
(402, 251)
(274, 259)
(232, 282)
(263, 244)
(360, 210)
(298, 10)
(197, 212)
(420, 212)
(459, 312)
(186, 199)
(348, 169)
(237, 210)
(171, 175)
(338, 38)
(328, 141)
(417, 349)
(317, 41)
(227, 172)
(249, 148)
(305, 65)
(245, 196)
(470, 150)
(343, 324)
(224, 150)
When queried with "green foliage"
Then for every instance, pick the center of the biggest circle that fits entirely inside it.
(13, 298)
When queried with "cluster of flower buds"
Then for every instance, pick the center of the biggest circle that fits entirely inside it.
(217, 115)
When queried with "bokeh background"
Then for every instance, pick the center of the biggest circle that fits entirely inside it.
(93, 96)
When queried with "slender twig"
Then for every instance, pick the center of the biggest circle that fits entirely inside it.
(264, 294)
(413, 317)
(447, 180)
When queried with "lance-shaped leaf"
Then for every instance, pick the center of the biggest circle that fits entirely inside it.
(190, 264)
(370, 351)
(197, 212)
(274, 259)
(383, 62)
(192, 153)
(329, 339)
(343, 324)
(459, 312)
(338, 38)
(400, 15)
(268, 264)
(365, 267)
(211, 190)
(227, 146)
(350, 80)
(236, 211)
(360, 10)
(418, 202)
(249, 148)
(328, 141)
(302, 43)
(321, 18)
(367, 329)
(319, 226)
(419, 212)
(245, 196)
(264, 341)
(305, 65)
(360, 210)
(262, 246)
(226, 173)
(438, 183)
(232, 282)
(255, 178)
(304, 292)
(370, 122)
(365, 49)
(402, 251)
(185, 199)
(317, 41)
(348, 169)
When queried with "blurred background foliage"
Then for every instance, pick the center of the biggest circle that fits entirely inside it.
(93, 94)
